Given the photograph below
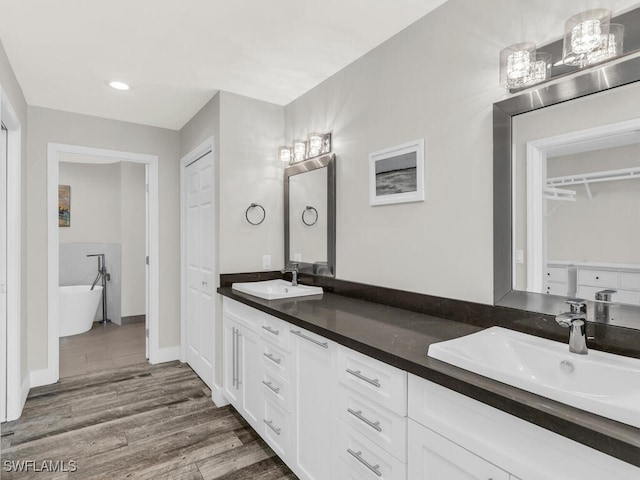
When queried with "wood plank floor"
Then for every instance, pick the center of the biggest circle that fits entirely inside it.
(137, 422)
(102, 348)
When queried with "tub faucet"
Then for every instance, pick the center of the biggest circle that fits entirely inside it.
(576, 321)
(294, 274)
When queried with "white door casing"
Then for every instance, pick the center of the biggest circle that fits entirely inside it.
(200, 267)
(156, 354)
(17, 386)
(3, 272)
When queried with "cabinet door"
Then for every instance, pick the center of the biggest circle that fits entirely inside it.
(250, 377)
(314, 380)
(433, 457)
(230, 362)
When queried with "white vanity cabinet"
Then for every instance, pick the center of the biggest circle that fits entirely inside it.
(433, 457)
(623, 278)
(331, 412)
(449, 431)
(241, 378)
(314, 360)
(560, 279)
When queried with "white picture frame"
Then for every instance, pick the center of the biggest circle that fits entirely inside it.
(396, 174)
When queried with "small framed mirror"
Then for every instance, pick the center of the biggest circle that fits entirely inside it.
(310, 216)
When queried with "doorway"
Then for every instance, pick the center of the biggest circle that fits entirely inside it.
(57, 153)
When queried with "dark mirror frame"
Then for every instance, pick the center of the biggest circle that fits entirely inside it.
(597, 79)
(328, 162)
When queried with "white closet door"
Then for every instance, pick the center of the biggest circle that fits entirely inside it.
(200, 307)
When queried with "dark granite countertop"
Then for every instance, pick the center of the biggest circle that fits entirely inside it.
(401, 338)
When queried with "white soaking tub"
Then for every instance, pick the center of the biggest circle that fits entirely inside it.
(77, 308)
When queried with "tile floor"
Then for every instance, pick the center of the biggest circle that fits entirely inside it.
(104, 347)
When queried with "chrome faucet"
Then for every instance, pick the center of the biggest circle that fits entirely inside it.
(294, 274)
(576, 321)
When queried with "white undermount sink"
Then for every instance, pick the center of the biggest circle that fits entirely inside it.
(276, 289)
(601, 383)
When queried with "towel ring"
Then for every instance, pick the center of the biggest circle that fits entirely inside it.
(308, 208)
(255, 205)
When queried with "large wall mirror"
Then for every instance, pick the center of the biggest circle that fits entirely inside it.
(310, 216)
(567, 195)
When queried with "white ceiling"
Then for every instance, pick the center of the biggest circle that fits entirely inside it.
(176, 54)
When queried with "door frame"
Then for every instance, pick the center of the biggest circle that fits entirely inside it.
(52, 373)
(207, 146)
(17, 387)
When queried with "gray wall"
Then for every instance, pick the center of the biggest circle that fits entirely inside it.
(11, 88)
(47, 125)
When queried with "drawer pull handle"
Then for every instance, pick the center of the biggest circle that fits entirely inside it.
(359, 416)
(358, 456)
(312, 340)
(271, 330)
(270, 425)
(356, 373)
(272, 358)
(270, 386)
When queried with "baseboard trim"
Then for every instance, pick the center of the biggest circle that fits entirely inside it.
(218, 397)
(45, 376)
(128, 320)
(167, 354)
(24, 392)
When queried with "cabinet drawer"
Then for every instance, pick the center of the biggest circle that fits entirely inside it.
(276, 429)
(363, 456)
(276, 359)
(377, 381)
(378, 424)
(276, 388)
(557, 289)
(629, 297)
(630, 280)
(598, 278)
(556, 274)
(247, 316)
(276, 331)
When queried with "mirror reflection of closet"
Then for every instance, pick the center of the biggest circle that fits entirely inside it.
(577, 188)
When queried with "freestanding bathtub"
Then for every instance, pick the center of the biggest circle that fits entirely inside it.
(77, 308)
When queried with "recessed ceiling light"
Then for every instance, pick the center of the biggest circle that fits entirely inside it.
(119, 85)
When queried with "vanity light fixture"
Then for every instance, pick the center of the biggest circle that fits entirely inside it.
(587, 37)
(521, 66)
(119, 85)
(316, 144)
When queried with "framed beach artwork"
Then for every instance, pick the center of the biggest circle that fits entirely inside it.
(64, 205)
(396, 175)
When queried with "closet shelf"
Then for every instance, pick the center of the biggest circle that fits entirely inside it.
(594, 177)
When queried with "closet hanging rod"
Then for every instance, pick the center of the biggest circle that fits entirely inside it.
(594, 177)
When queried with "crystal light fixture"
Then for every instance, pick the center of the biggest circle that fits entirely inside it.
(284, 154)
(586, 37)
(315, 144)
(299, 150)
(611, 45)
(521, 66)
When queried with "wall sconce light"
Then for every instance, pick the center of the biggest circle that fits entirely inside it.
(317, 144)
(284, 154)
(521, 66)
(589, 38)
